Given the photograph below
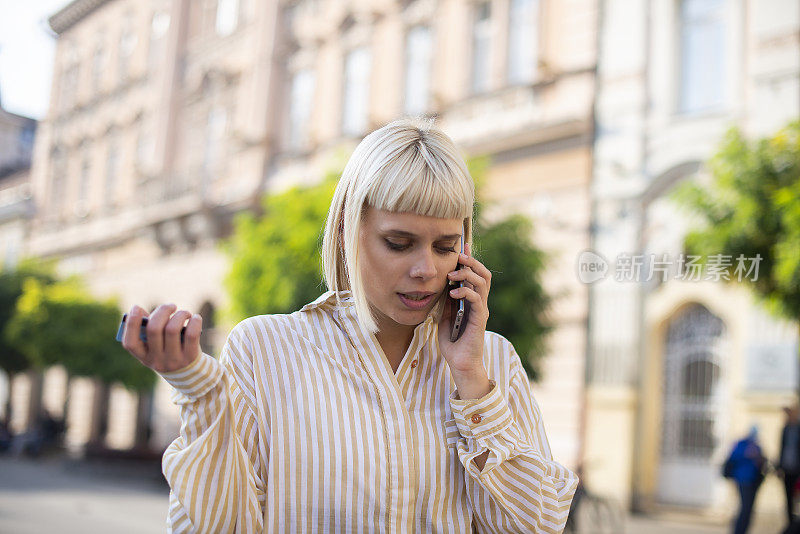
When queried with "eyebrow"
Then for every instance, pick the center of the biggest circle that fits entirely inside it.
(404, 233)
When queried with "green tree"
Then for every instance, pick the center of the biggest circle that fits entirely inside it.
(276, 264)
(60, 323)
(11, 281)
(12, 360)
(518, 301)
(750, 208)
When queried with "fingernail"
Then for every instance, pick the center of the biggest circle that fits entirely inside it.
(453, 291)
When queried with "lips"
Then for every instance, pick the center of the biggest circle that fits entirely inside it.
(417, 295)
(416, 300)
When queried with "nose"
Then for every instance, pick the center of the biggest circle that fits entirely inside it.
(424, 266)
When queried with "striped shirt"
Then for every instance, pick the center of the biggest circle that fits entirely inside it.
(303, 426)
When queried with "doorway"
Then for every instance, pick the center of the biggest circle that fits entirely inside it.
(694, 357)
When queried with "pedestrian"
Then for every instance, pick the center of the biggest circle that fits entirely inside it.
(360, 412)
(5, 436)
(745, 465)
(789, 461)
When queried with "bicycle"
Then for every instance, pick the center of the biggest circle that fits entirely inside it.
(592, 513)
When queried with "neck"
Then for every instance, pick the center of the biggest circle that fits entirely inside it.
(394, 339)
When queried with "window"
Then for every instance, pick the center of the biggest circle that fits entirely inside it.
(145, 146)
(98, 63)
(112, 172)
(13, 249)
(696, 437)
(301, 102)
(158, 31)
(702, 55)
(69, 77)
(481, 37)
(25, 141)
(127, 44)
(418, 70)
(215, 131)
(57, 182)
(523, 25)
(356, 91)
(227, 16)
(82, 205)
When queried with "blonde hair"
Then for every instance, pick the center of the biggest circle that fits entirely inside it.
(406, 166)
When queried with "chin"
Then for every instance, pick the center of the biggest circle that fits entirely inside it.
(413, 317)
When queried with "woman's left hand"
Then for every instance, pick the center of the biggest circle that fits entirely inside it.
(465, 355)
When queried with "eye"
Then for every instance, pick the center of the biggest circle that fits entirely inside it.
(445, 250)
(395, 246)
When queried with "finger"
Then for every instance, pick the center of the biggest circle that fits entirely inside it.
(476, 281)
(130, 337)
(477, 267)
(172, 335)
(191, 340)
(476, 301)
(155, 329)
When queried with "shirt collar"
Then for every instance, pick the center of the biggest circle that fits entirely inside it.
(331, 300)
(344, 302)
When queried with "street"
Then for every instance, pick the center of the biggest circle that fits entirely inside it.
(57, 494)
(68, 496)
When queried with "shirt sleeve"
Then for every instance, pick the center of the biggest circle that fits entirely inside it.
(214, 470)
(520, 488)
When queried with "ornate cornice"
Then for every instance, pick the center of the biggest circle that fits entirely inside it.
(72, 13)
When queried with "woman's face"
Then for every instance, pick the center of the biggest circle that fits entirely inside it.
(405, 257)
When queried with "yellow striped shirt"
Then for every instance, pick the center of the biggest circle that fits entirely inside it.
(302, 426)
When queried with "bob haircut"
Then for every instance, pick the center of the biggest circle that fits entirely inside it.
(406, 166)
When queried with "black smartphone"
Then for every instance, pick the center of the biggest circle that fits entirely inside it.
(459, 308)
(142, 330)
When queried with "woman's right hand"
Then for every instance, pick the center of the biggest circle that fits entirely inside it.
(163, 351)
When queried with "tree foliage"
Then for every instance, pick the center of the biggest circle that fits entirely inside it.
(518, 302)
(276, 264)
(60, 323)
(752, 207)
(13, 360)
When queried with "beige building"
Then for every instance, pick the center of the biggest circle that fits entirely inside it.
(681, 365)
(16, 149)
(16, 204)
(168, 117)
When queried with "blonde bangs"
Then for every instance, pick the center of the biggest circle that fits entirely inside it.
(416, 182)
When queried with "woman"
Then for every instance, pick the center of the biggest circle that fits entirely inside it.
(357, 413)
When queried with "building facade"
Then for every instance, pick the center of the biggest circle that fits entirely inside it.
(16, 150)
(168, 117)
(681, 367)
(16, 203)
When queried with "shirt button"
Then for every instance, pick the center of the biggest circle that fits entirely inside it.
(476, 419)
(414, 364)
